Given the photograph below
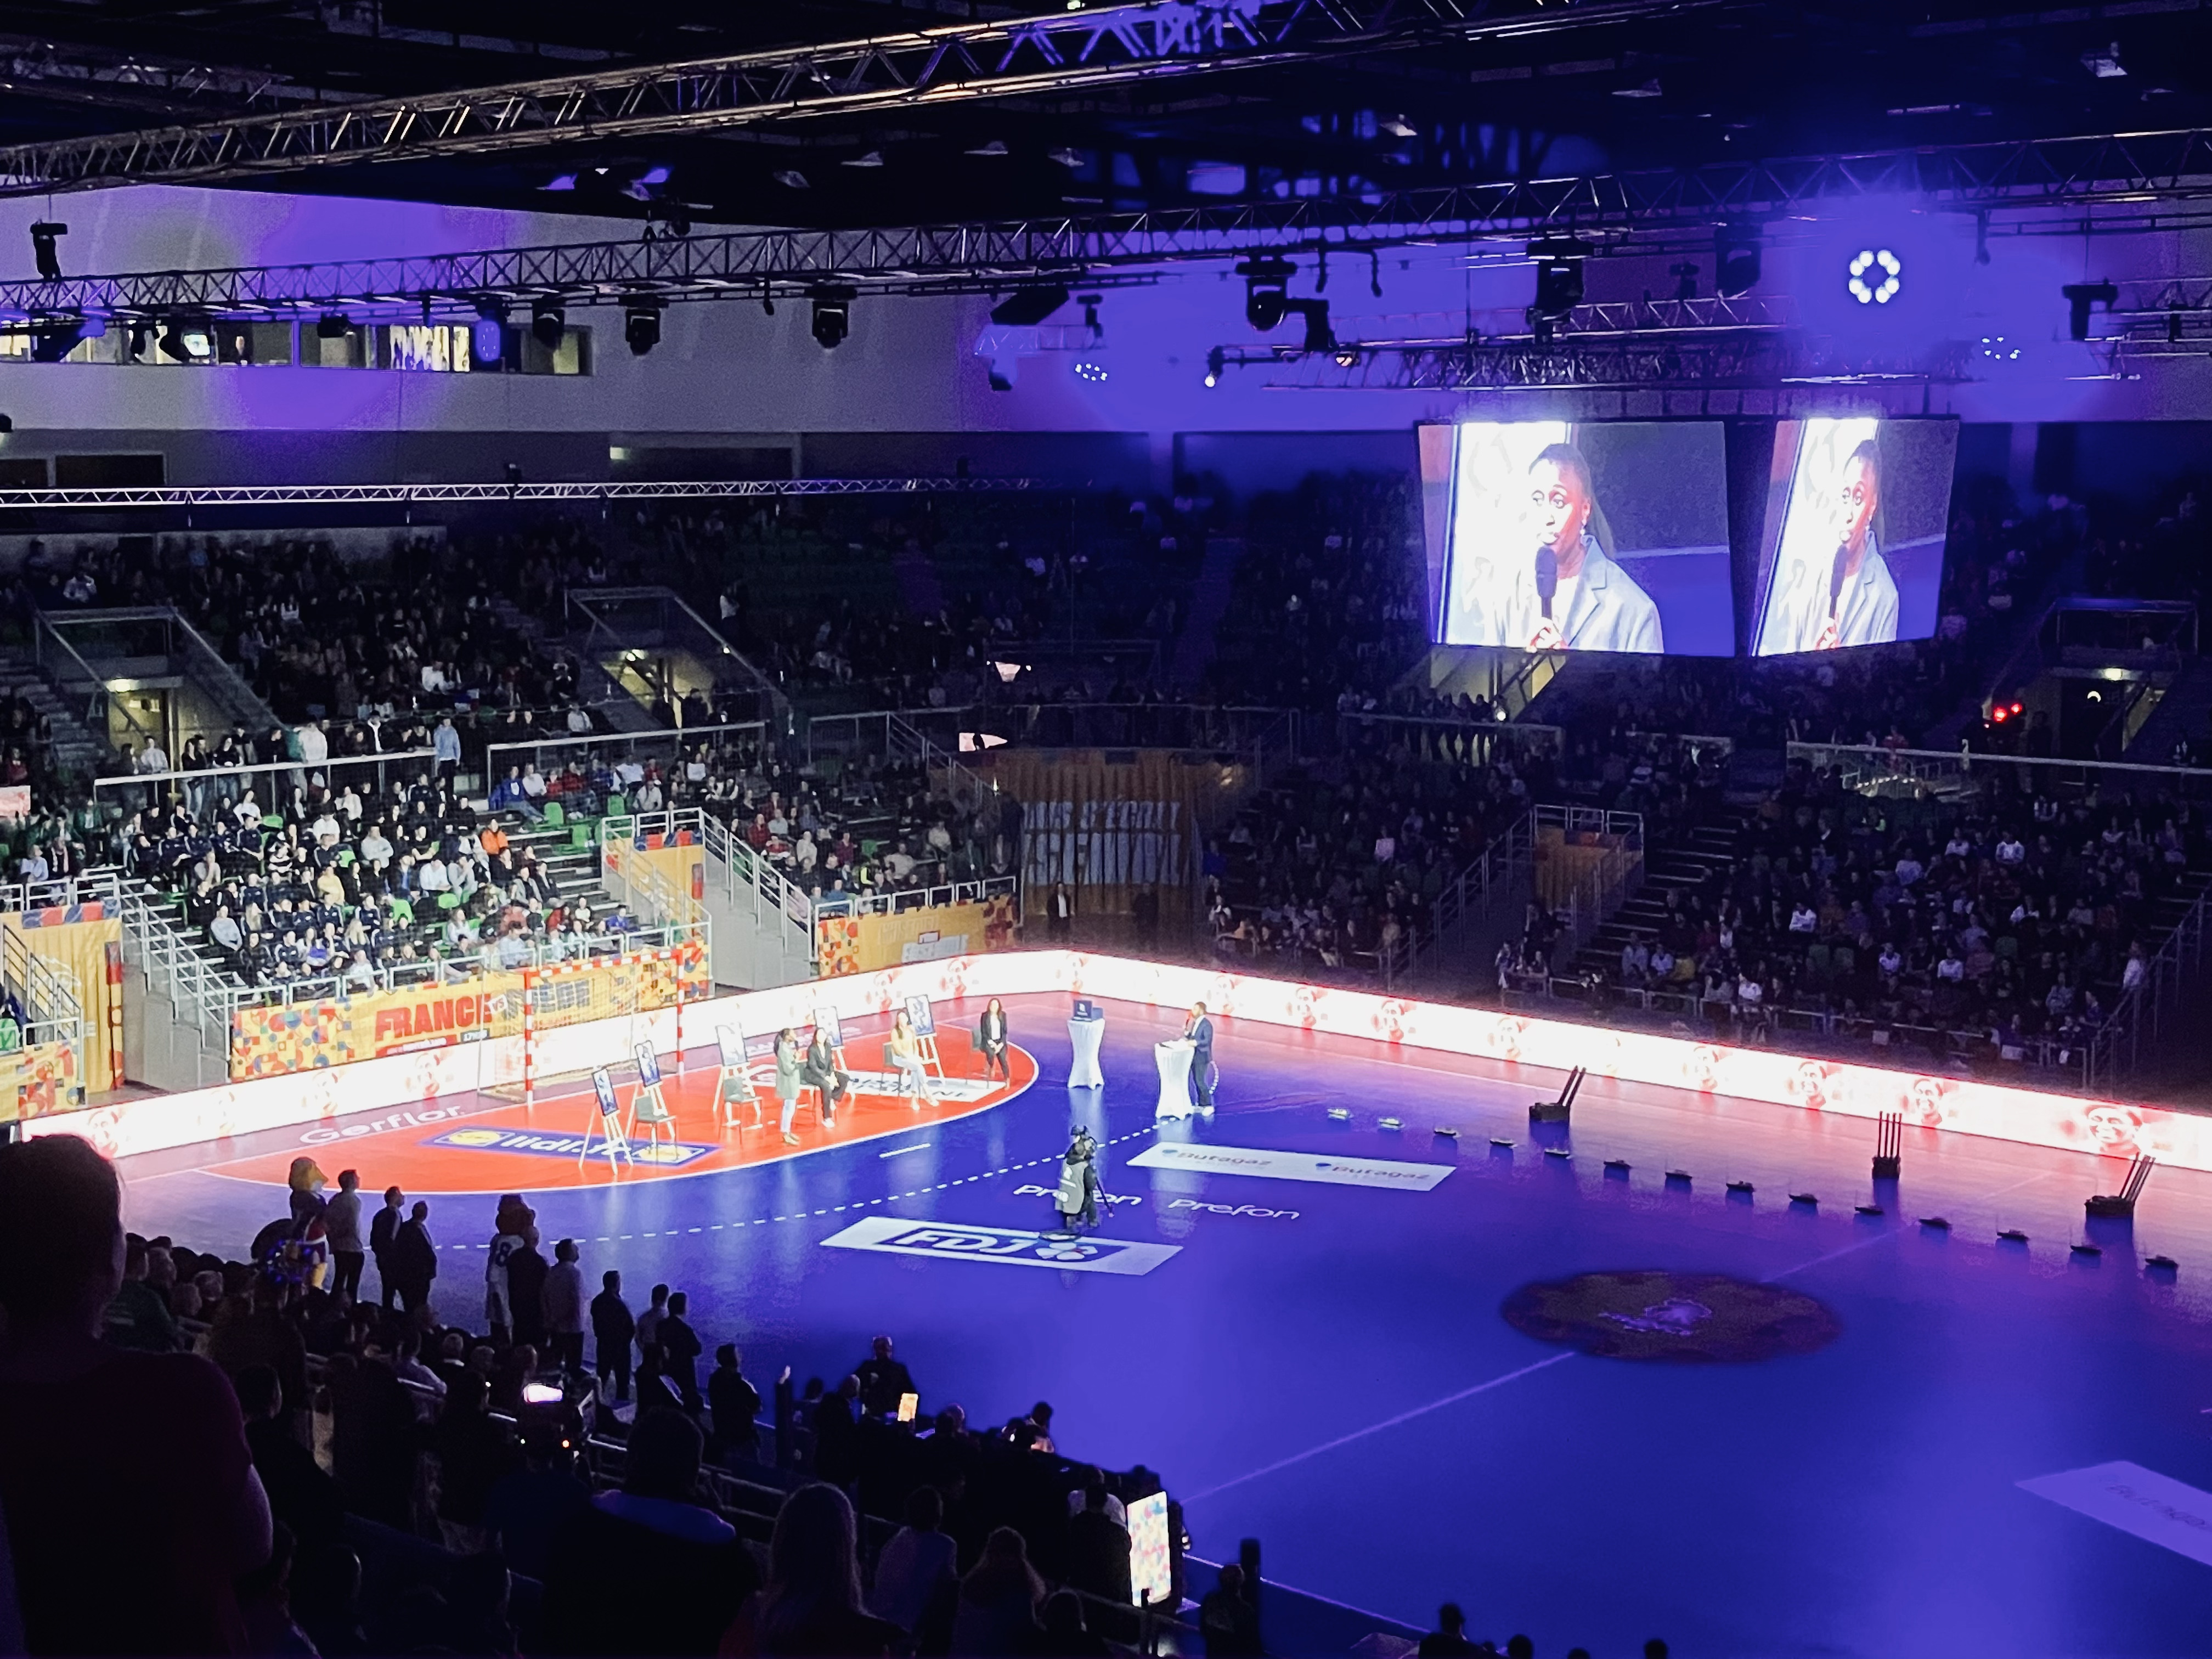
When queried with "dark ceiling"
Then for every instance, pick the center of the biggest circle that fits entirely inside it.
(1717, 81)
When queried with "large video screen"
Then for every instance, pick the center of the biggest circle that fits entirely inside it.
(1851, 550)
(1609, 536)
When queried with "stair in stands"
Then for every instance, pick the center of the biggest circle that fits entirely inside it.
(2185, 711)
(1708, 849)
(75, 748)
(1209, 604)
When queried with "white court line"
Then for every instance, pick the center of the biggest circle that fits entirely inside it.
(1387, 1422)
(918, 1146)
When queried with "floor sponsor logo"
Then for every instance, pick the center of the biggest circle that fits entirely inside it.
(1192, 1206)
(1053, 1192)
(1332, 1171)
(324, 1135)
(660, 1154)
(2154, 1507)
(1012, 1246)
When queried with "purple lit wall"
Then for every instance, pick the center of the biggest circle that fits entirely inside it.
(727, 373)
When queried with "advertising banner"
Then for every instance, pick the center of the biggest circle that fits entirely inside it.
(861, 944)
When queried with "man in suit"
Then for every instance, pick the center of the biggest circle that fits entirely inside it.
(1566, 595)
(383, 1229)
(883, 1380)
(414, 1258)
(1200, 1030)
(1849, 598)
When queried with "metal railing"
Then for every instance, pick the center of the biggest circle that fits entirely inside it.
(668, 623)
(1428, 736)
(663, 744)
(1501, 868)
(1953, 772)
(916, 898)
(50, 650)
(1606, 885)
(227, 785)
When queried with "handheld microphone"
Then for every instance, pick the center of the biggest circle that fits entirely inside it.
(1547, 579)
(1836, 577)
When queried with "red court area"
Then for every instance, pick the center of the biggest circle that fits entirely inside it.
(482, 1143)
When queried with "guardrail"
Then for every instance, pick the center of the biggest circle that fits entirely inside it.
(915, 898)
(1873, 770)
(1500, 867)
(226, 785)
(47, 643)
(1428, 736)
(664, 744)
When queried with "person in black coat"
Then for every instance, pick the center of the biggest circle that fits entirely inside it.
(383, 1227)
(883, 1380)
(414, 1259)
(1098, 1549)
(613, 1329)
(680, 1349)
(991, 1039)
(736, 1404)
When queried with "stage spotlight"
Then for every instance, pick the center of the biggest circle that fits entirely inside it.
(641, 326)
(1213, 361)
(141, 336)
(833, 316)
(1874, 276)
(1559, 277)
(43, 235)
(7, 424)
(488, 334)
(332, 326)
(1266, 284)
(2079, 296)
(173, 343)
(1735, 261)
(1089, 368)
(1347, 356)
(549, 324)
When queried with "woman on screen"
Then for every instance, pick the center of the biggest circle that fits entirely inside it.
(1565, 594)
(1849, 597)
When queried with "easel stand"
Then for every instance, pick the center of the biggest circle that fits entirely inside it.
(1557, 1111)
(614, 1143)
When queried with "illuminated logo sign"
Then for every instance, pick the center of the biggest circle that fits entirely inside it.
(1270, 1165)
(531, 1143)
(949, 1241)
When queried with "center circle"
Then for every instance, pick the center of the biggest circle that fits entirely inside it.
(1670, 1318)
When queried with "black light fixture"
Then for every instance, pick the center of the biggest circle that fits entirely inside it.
(1319, 336)
(1686, 279)
(641, 325)
(1735, 260)
(141, 335)
(1266, 298)
(488, 334)
(1214, 360)
(1025, 307)
(173, 341)
(1559, 277)
(833, 316)
(7, 424)
(43, 235)
(2079, 296)
(333, 325)
(549, 324)
(53, 337)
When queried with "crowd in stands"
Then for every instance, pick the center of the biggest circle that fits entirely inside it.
(300, 1466)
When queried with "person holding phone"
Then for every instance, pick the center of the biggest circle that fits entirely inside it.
(991, 1040)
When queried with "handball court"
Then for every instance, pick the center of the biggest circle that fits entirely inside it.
(1587, 1401)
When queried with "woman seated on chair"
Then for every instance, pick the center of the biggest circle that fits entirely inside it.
(903, 1049)
(820, 1071)
(790, 1068)
(991, 1039)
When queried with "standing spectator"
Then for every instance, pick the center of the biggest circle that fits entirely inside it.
(811, 1603)
(414, 1259)
(562, 1301)
(837, 1433)
(342, 1221)
(999, 1600)
(108, 1445)
(1449, 1639)
(445, 744)
(735, 1406)
(883, 1380)
(1229, 1621)
(138, 1317)
(1098, 1549)
(915, 1573)
(1059, 913)
(382, 1231)
(612, 1330)
(648, 1335)
(680, 1350)
(526, 1271)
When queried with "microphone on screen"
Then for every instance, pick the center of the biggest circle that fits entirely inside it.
(1836, 577)
(1547, 579)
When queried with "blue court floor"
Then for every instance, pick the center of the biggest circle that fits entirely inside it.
(1324, 1366)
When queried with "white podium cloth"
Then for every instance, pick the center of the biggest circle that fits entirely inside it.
(1084, 1036)
(1173, 1059)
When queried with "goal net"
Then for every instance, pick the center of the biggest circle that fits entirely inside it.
(559, 1000)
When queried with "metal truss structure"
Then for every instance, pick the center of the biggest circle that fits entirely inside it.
(151, 86)
(2029, 175)
(418, 494)
(1655, 361)
(1057, 54)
